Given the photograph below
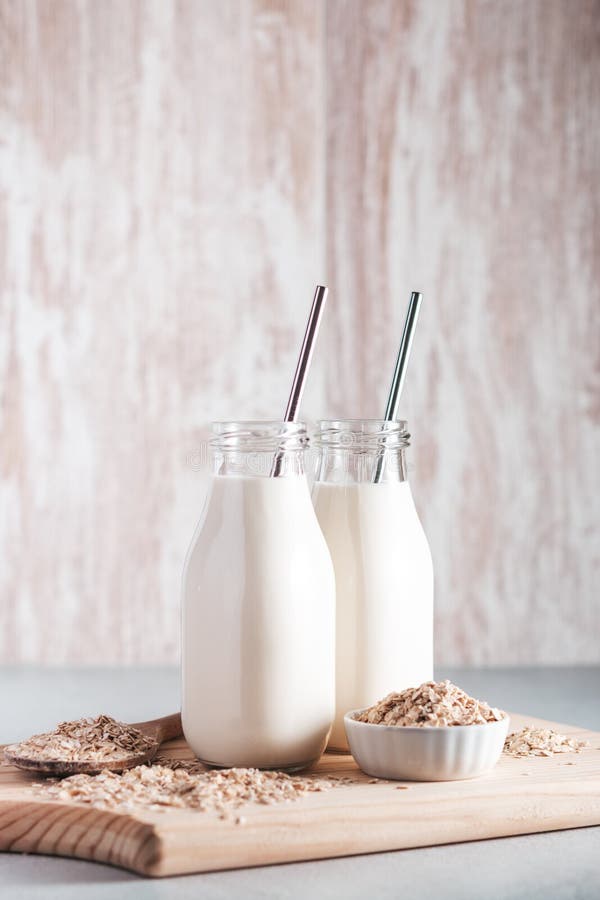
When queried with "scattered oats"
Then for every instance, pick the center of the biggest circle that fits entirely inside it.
(343, 780)
(532, 741)
(193, 766)
(373, 781)
(158, 787)
(86, 740)
(433, 704)
(401, 787)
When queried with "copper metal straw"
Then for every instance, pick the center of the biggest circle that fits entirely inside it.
(391, 410)
(306, 351)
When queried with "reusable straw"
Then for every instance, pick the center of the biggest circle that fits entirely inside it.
(306, 351)
(391, 410)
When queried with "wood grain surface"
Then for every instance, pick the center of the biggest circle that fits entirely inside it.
(521, 796)
(175, 176)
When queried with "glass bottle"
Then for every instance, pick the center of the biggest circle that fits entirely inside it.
(382, 563)
(258, 608)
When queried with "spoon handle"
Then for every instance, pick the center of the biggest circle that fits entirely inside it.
(164, 729)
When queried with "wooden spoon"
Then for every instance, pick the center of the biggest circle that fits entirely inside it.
(165, 729)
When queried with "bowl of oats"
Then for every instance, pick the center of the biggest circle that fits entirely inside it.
(434, 732)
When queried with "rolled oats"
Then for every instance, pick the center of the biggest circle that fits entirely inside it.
(432, 704)
(186, 785)
(86, 740)
(530, 741)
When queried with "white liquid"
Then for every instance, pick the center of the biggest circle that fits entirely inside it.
(384, 593)
(258, 627)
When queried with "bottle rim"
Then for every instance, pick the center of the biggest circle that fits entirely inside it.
(362, 434)
(365, 424)
(259, 436)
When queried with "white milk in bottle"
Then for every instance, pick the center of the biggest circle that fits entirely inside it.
(258, 608)
(382, 562)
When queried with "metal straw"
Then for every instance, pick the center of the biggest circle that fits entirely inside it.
(391, 410)
(306, 351)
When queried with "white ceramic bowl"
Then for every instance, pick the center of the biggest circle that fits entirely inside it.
(446, 753)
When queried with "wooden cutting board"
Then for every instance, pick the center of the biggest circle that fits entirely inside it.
(519, 797)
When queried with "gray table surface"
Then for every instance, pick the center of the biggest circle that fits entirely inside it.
(552, 866)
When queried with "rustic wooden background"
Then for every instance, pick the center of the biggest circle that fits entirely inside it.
(175, 175)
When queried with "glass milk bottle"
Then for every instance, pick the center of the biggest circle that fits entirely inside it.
(383, 568)
(258, 620)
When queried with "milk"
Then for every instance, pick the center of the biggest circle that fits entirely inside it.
(384, 582)
(258, 626)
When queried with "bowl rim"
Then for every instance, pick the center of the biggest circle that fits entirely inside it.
(422, 729)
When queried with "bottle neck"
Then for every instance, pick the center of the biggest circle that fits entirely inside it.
(361, 452)
(258, 449)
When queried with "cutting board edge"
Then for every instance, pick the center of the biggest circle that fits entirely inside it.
(148, 858)
(166, 867)
(54, 820)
